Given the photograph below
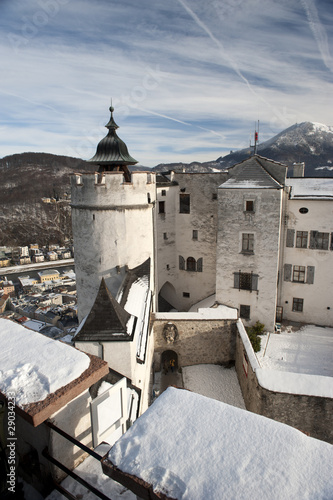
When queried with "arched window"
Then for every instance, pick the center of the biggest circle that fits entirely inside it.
(199, 265)
(181, 263)
(191, 264)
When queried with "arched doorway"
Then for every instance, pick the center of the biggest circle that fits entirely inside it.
(169, 362)
(166, 297)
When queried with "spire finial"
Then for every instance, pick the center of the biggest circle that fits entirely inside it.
(111, 108)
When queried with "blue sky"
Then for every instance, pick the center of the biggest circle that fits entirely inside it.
(188, 79)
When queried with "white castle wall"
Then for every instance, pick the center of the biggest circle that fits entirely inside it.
(112, 226)
(265, 224)
(318, 301)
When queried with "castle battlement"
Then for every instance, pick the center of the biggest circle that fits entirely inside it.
(111, 188)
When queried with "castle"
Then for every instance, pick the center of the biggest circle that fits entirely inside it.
(249, 240)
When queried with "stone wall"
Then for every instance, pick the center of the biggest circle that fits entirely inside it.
(310, 414)
(199, 341)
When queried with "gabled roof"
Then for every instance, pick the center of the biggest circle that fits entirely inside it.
(110, 320)
(256, 172)
(107, 319)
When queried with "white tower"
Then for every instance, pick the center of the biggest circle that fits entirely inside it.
(112, 218)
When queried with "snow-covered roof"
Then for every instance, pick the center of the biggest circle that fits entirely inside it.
(311, 188)
(218, 312)
(190, 447)
(30, 367)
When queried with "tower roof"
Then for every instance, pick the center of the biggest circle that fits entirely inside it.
(111, 151)
(107, 319)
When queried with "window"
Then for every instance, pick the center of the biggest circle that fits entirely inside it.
(303, 210)
(299, 274)
(247, 242)
(244, 311)
(181, 263)
(195, 234)
(184, 203)
(168, 267)
(165, 236)
(318, 240)
(191, 264)
(301, 239)
(245, 281)
(186, 294)
(199, 265)
(214, 196)
(161, 207)
(249, 206)
(163, 192)
(298, 305)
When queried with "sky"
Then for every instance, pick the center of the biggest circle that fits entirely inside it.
(188, 79)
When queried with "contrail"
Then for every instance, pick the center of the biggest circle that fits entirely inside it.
(318, 31)
(178, 121)
(35, 103)
(232, 63)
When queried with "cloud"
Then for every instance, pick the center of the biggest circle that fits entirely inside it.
(184, 76)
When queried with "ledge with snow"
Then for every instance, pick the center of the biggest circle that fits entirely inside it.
(187, 446)
(42, 374)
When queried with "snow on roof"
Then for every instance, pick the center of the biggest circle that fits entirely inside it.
(219, 312)
(244, 184)
(188, 446)
(311, 188)
(29, 363)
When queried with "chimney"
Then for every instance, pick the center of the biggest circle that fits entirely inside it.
(298, 169)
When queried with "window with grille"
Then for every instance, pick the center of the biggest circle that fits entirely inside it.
(246, 281)
(301, 239)
(298, 304)
(194, 234)
(247, 242)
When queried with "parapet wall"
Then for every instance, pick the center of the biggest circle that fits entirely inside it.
(204, 341)
(109, 188)
(308, 413)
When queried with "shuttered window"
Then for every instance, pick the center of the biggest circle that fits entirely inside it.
(299, 274)
(319, 240)
(290, 237)
(245, 281)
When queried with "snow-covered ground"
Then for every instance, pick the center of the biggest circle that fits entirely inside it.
(308, 350)
(215, 382)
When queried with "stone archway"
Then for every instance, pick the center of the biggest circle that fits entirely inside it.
(166, 297)
(166, 361)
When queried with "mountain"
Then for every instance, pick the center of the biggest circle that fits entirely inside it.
(35, 197)
(35, 187)
(307, 142)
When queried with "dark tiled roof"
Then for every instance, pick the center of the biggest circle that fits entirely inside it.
(112, 151)
(107, 319)
(254, 172)
(163, 181)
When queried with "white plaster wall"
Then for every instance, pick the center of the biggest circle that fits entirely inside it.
(112, 226)
(120, 356)
(317, 296)
(167, 263)
(74, 419)
(265, 224)
(203, 218)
